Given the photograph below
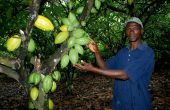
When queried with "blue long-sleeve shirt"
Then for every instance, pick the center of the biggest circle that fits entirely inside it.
(133, 94)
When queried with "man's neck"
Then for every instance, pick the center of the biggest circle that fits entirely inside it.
(134, 45)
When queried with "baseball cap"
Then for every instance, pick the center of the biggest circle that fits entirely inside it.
(136, 20)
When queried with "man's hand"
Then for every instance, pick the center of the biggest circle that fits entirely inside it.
(93, 46)
(84, 66)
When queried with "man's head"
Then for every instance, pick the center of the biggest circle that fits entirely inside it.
(135, 20)
(134, 29)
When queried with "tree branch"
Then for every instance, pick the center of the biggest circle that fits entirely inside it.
(50, 64)
(115, 9)
(86, 10)
(25, 38)
(9, 72)
(12, 63)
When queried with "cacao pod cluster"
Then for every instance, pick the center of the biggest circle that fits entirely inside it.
(14, 43)
(71, 21)
(49, 84)
(48, 81)
(78, 38)
(69, 24)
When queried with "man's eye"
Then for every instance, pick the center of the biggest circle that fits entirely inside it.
(135, 28)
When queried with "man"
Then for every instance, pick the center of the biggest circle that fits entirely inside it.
(131, 68)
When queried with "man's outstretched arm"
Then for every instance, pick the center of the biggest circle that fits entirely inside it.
(119, 74)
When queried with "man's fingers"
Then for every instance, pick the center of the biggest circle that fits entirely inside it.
(83, 62)
(78, 66)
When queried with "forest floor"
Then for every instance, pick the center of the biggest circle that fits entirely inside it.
(90, 93)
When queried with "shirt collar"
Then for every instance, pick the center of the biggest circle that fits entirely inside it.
(142, 46)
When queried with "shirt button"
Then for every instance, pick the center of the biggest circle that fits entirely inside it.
(128, 59)
(129, 55)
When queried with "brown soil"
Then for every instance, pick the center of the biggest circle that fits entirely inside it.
(89, 93)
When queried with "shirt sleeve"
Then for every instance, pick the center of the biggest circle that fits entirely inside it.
(140, 67)
(111, 63)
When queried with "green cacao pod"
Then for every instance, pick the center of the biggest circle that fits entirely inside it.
(54, 87)
(47, 83)
(31, 45)
(56, 75)
(34, 93)
(30, 105)
(44, 23)
(64, 61)
(61, 37)
(73, 56)
(31, 78)
(36, 78)
(79, 49)
(13, 43)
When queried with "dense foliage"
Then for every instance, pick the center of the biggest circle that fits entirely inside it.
(105, 25)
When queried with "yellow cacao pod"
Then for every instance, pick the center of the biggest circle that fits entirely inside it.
(34, 93)
(13, 43)
(61, 37)
(50, 104)
(44, 23)
(64, 28)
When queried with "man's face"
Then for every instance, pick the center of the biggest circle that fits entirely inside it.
(133, 31)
